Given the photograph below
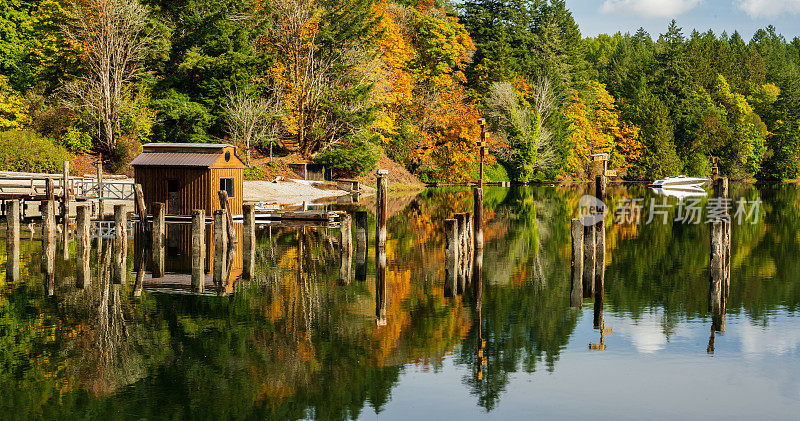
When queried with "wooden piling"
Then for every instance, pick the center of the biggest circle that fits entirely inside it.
(226, 206)
(12, 240)
(588, 257)
(49, 242)
(600, 247)
(346, 249)
(716, 268)
(576, 295)
(120, 244)
(198, 250)
(249, 241)
(461, 226)
(100, 208)
(83, 222)
(451, 256)
(478, 217)
(381, 210)
(220, 237)
(159, 239)
(144, 228)
(65, 199)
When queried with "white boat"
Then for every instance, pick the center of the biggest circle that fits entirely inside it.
(680, 192)
(680, 181)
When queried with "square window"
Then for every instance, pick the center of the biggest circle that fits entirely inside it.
(227, 185)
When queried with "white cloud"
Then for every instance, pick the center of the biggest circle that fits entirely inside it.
(769, 8)
(653, 8)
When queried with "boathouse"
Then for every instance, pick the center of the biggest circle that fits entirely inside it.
(189, 176)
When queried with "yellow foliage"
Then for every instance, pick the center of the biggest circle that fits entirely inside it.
(13, 111)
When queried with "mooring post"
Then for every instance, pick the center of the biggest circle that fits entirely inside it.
(478, 217)
(381, 208)
(120, 244)
(226, 206)
(65, 199)
(138, 285)
(49, 239)
(249, 241)
(83, 222)
(100, 208)
(600, 241)
(198, 250)
(220, 236)
(12, 241)
(588, 257)
(576, 295)
(159, 239)
(450, 256)
(141, 210)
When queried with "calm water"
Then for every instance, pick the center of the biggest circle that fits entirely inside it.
(296, 342)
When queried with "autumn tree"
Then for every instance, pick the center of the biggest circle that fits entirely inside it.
(113, 39)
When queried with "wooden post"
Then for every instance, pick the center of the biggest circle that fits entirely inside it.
(198, 250)
(138, 285)
(120, 244)
(220, 225)
(65, 199)
(450, 256)
(12, 241)
(600, 248)
(83, 278)
(100, 208)
(249, 241)
(141, 210)
(345, 270)
(225, 206)
(478, 217)
(576, 296)
(381, 208)
(588, 257)
(48, 211)
(159, 239)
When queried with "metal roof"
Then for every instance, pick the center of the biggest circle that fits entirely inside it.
(175, 159)
(188, 145)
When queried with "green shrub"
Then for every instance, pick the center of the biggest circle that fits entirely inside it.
(25, 151)
(357, 156)
(76, 140)
(254, 173)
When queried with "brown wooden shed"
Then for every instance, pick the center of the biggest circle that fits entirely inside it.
(189, 176)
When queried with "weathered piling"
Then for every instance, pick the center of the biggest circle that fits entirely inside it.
(451, 252)
(159, 239)
(144, 230)
(138, 284)
(380, 286)
(381, 209)
(83, 278)
(65, 199)
(198, 250)
(576, 293)
(346, 249)
(249, 241)
(220, 240)
(12, 240)
(226, 206)
(361, 245)
(588, 257)
(100, 208)
(49, 242)
(600, 249)
(478, 217)
(120, 244)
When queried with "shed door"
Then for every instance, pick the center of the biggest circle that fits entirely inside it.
(174, 205)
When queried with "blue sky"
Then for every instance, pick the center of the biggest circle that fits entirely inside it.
(746, 16)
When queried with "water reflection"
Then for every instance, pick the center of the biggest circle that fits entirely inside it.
(295, 342)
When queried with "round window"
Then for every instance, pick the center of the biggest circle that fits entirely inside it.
(227, 156)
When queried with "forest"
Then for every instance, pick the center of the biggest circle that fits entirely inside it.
(342, 82)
